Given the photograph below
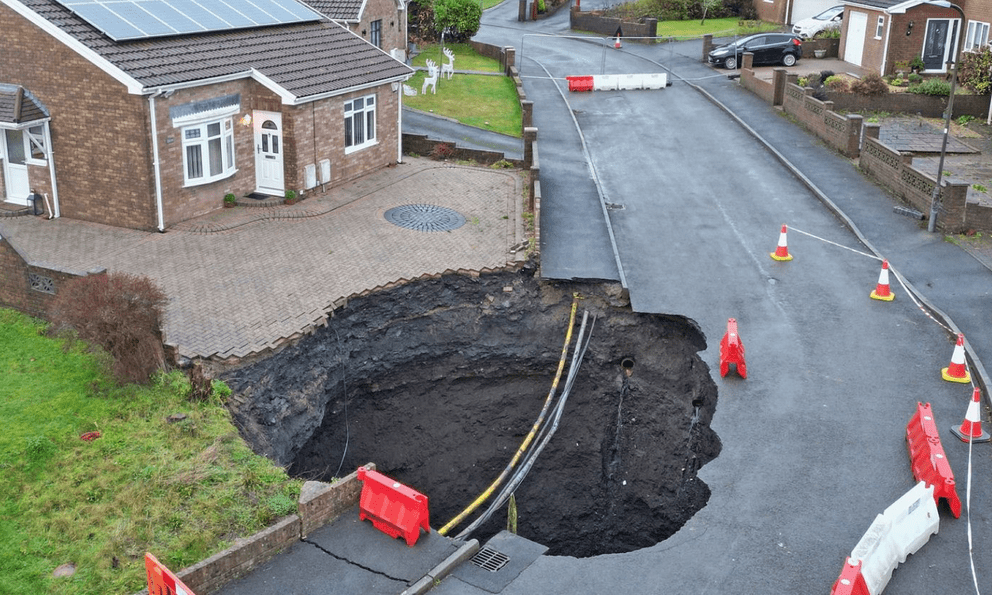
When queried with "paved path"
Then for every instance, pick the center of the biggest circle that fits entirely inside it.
(240, 281)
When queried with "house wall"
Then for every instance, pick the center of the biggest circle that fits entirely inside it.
(873, 51)
(905, 47)
(771, 11)
(393, 24)
(99, 132)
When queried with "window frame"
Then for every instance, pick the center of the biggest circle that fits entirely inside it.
(35, 141)
(979, 27)
(375, 33)
(227, 154)
(367, 115)
(879, 27)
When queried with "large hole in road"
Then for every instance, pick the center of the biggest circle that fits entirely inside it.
(439, 381)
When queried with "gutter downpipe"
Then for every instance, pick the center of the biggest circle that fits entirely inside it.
(56, 211)
(885, 46)
(399, 122)
(155, 164)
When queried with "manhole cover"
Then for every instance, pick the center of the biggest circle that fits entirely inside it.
(425, 218)
(489, 559)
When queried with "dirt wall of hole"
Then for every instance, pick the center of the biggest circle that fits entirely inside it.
(439, 381)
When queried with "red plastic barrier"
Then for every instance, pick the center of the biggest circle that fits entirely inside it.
(850, 581)
(732, 351)
(579, 83)
(393, 508)
(161, 581)
(926, 456)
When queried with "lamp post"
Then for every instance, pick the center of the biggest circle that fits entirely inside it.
(934, 198)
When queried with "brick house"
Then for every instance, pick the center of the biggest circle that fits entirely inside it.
(147, 131)
(876, 34)
(380, 22)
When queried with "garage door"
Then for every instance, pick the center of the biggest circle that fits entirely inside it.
(854, 45)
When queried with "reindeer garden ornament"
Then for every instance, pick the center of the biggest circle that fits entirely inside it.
(431, 78)
(449, 66)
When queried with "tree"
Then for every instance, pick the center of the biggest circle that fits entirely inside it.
(457, 20)
(709, 5)
(975, 70)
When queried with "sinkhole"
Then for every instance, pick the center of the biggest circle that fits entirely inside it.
(438, 382)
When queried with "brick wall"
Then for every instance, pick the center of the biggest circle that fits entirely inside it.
(911, 103)
(595, 22)
(393, 24)
(895, 171)
(772, 11)
(761, 88)
(99, 132)
(16, 275)
(838, 131)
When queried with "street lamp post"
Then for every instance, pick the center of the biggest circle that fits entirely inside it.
(935, 197)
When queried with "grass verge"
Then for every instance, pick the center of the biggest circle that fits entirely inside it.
(726, 27)
(484, 101)
(181, 489)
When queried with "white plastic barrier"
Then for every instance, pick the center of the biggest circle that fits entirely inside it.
(658, 80)
(898, 532)
(605, 82)
(630, 82)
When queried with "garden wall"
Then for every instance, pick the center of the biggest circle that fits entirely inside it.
(30, 287)
(838, 131)
(912, 103)
(319, 504)
(895, 171)
(594, 22)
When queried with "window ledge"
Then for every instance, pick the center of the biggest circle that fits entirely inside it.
(205, 181)
(357, 148)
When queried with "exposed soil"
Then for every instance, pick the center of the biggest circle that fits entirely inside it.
(438, 382)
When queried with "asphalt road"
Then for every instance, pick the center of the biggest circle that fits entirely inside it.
(814, 440)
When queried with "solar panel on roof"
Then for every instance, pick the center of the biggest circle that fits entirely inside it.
(123, 20)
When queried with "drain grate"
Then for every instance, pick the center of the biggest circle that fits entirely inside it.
(425, 218)
(489, 559)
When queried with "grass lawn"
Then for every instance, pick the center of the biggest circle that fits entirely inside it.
(717, 27)
(182, 490)
(483, 101)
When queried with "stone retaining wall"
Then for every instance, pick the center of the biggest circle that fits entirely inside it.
(594, 22)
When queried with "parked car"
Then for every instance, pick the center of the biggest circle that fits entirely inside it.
(768, 48)
(825, 21)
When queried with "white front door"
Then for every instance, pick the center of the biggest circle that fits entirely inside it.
(268, 153)
(15, 171)
(854, 45)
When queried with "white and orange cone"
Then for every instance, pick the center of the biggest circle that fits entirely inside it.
(617, 43)
(781, 253)
(882, 291)
(971, 428)
(958, 370)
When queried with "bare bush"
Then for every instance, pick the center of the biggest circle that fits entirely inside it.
(871, 85)
(118, 312)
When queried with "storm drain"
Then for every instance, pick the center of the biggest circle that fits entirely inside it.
(489, 559)
(425, 218)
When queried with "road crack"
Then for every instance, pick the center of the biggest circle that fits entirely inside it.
(347, 561)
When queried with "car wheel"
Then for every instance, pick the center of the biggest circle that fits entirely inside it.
(731, 63)
(789, 60)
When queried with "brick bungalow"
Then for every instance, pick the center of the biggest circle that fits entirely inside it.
(877, 34)
(145, 133)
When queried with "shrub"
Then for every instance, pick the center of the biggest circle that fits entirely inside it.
(838, 84)
(871, 85)
(120, 313)
(914, 78)
(457, 19)
(975, 71)
(933, 86)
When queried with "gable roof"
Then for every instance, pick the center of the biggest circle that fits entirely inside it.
(339, 10)
(18, 105)
(301, 62)
(889, 6)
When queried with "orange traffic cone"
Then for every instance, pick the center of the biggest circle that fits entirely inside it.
(971, 427)
(881, 291)
(958, 370)
(782, 251)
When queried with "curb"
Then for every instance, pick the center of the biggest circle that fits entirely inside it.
(434, 576)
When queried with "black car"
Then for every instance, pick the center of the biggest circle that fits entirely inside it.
(768, 48)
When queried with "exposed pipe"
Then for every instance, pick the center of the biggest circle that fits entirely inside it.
(57, 212)
(530, 435)
(48, 207)
(155, 164)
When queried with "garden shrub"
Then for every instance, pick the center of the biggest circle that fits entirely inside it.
(838, 84)
(933, 86)
(871, 85)
(914, 78)
(118, 312)
(975, 71)
(457, 19)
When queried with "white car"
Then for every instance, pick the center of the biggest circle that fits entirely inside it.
(826, 20)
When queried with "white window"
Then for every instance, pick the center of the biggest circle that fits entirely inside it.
(208, 152)
(978, 35)
(879, 27)
(359, 123)
(34, 146)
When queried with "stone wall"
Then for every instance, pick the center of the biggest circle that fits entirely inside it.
(595, 22)
(895, 171)
(27, 287)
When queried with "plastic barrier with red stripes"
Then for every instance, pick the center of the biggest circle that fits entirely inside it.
(927, 458)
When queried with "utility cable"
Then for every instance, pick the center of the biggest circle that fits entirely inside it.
(530, 435)
(344, 382)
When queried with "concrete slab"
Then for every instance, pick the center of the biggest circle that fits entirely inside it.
(518, 553)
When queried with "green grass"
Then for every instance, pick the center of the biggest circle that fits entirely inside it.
(483, 101)
(182, 491)
(717, 27)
